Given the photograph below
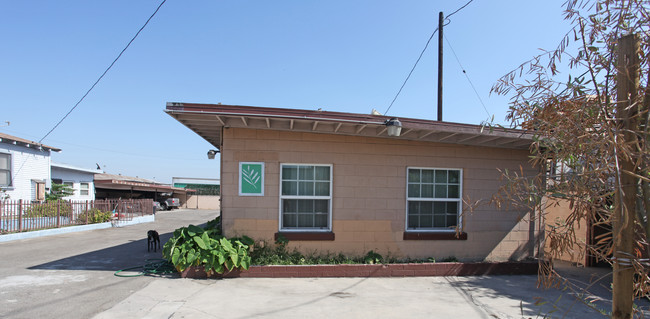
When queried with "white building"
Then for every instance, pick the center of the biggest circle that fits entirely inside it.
(24, 168)
(81, 180)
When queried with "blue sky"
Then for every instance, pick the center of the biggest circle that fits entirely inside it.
(348, 56)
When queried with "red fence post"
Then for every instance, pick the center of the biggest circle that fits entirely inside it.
(20, 215)
(58, 213)
(87, 212)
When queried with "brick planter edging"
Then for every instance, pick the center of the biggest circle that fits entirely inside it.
(388, 270)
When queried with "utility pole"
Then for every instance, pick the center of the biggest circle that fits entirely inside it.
(441, 20)
(626, 190)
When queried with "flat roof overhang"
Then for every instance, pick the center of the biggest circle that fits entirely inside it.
(206, 120)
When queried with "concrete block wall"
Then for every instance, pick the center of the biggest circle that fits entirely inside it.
(369, 193)
(202, 202)
(556, 213)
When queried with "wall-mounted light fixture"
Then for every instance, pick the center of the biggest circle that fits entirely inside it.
(394, 127)
(212, 153)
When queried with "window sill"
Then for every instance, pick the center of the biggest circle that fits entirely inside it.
(415, 235)
(291, 236)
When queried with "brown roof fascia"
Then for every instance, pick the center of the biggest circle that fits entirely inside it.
(27, 143)
(108, 182)
(197, 108)
(273, 112)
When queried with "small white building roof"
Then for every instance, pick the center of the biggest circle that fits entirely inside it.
(75, 168)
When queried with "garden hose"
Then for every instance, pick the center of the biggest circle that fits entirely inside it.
(151, 267)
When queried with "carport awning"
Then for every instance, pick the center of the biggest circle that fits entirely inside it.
(207, 120)
(136, 186)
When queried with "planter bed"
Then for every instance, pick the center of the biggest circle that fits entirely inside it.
(387, 270)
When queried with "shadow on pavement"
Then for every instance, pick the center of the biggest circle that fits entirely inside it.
(113, 258)
(567, 300)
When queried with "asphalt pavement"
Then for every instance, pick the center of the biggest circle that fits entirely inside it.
(72, 276)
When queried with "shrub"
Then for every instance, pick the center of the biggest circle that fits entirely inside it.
(373, 258)
(94, 216)
(199, 247)
(49, 209)
(263, 254)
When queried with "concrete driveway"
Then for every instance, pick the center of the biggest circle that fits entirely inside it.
(71, 276)
(413, 297)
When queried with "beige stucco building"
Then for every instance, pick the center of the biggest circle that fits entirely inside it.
(337, 182)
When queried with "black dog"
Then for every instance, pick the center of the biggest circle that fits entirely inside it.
(152, 239)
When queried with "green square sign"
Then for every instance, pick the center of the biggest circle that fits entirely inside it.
(251, 179)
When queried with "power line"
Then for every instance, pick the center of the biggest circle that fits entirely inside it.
(112, 151)
(412, 69)
(461, 8)
(466, 75)
(420, 57)
(94, 84)
(106, 71)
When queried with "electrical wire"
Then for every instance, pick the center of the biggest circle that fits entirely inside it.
(112, 151)
(93, 86)
(461, 8)
(412, 69)
(466, 75)
(106, 71)
(422, 53)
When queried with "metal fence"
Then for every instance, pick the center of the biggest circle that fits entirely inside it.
(20, 216)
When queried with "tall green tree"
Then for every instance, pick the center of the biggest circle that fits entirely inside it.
(591, 137)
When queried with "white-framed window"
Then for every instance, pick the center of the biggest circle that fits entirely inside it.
(433, 199)
(305, 197)
(84, 188)
(5, 170)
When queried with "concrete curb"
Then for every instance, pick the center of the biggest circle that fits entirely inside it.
(74, 229)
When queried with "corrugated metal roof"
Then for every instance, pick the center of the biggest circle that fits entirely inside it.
(111, 181)
(105, 176)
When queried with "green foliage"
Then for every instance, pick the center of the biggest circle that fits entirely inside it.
(207, 248)
(450, 259)
(279, 254)
(58, 191)
(49, 209)
(94, 216)
(281, 240)
(373, 258)
(264, 254)
(214, 224)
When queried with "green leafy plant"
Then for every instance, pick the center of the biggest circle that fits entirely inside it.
(282, 241)
(373, 258)
(94, 216)
(214, 224)
(194, 246)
